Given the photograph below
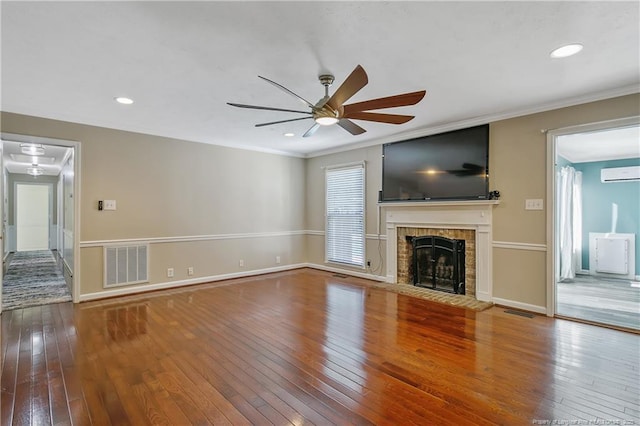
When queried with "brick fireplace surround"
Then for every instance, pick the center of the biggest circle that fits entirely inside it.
(470, 220)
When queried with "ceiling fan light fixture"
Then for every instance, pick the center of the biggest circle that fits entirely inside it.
(32, 149)
(326, 121)
(566, 51)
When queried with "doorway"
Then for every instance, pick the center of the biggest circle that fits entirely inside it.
(33, 214)
(594, 224)
(39, 184)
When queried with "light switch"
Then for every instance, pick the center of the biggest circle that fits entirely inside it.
(109, 204)
(534, 204)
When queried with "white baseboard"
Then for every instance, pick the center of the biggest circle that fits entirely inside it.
(587, 272)
(347, 272)
(67, 267)
(483, 296)
(124, 291)
(519, 305)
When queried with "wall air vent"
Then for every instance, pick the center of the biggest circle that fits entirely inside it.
(620, 174)
(125, 265)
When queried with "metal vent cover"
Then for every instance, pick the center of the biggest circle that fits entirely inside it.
(125, 265)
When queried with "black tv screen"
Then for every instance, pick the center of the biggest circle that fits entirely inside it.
(452, 165)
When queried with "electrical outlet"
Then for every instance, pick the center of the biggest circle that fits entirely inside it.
(190, 270)
(368, 263)
(169, 272)
(241, 263)
(278, 260)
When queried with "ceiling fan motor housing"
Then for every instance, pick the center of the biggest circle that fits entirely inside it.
(326, 79)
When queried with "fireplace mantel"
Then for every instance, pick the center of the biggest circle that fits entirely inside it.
(474, 215)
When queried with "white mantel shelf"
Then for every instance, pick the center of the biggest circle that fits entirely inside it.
(441, 203)
(471, 214)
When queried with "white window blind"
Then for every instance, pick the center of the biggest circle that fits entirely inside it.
(345, 215)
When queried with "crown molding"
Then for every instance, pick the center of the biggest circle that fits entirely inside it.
(476, 121)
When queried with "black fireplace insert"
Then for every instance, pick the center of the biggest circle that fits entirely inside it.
(438, 263)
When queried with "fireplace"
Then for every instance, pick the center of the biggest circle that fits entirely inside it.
(460, 220)
(438, 263)
(461, 241)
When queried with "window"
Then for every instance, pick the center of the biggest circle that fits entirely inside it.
(345, 215)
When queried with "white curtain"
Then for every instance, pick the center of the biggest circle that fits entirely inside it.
(569, 222)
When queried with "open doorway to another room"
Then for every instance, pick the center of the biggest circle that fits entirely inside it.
(38, 226)
(597, 226)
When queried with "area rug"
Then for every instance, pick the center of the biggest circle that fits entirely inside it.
(462, 301)
(32, 279)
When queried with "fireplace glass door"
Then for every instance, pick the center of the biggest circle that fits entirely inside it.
(438, 263)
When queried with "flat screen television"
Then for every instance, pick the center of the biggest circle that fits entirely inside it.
(447, 166)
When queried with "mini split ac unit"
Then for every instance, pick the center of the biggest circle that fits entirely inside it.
(620, 174)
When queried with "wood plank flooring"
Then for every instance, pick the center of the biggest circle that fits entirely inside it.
(600, 300)
(304, 347)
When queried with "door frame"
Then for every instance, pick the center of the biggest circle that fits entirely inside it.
(75, 145)
(552, 243)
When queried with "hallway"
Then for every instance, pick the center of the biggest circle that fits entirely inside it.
(33, 278)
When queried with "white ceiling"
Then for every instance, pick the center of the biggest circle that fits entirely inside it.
(182, 61)
(613, 144)
(16, 162)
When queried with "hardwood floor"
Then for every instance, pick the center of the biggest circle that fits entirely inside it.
(304, 347)
(599, 300)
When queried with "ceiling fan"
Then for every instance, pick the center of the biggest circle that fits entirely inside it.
(331, 109)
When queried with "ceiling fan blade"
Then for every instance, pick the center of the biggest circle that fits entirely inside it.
(311, 131)
(404, 99)
(380, 118)
(281, 87)
(282, 121)
(356, 81)
(266, 108)
(351, 127)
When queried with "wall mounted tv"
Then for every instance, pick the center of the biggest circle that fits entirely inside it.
(446, 166)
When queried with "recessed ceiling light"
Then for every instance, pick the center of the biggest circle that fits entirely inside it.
(289, 135)
(123, 100)
(565, 51)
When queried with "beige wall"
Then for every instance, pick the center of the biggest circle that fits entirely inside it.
(209, 258)
(167, 188)
(517, 168)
